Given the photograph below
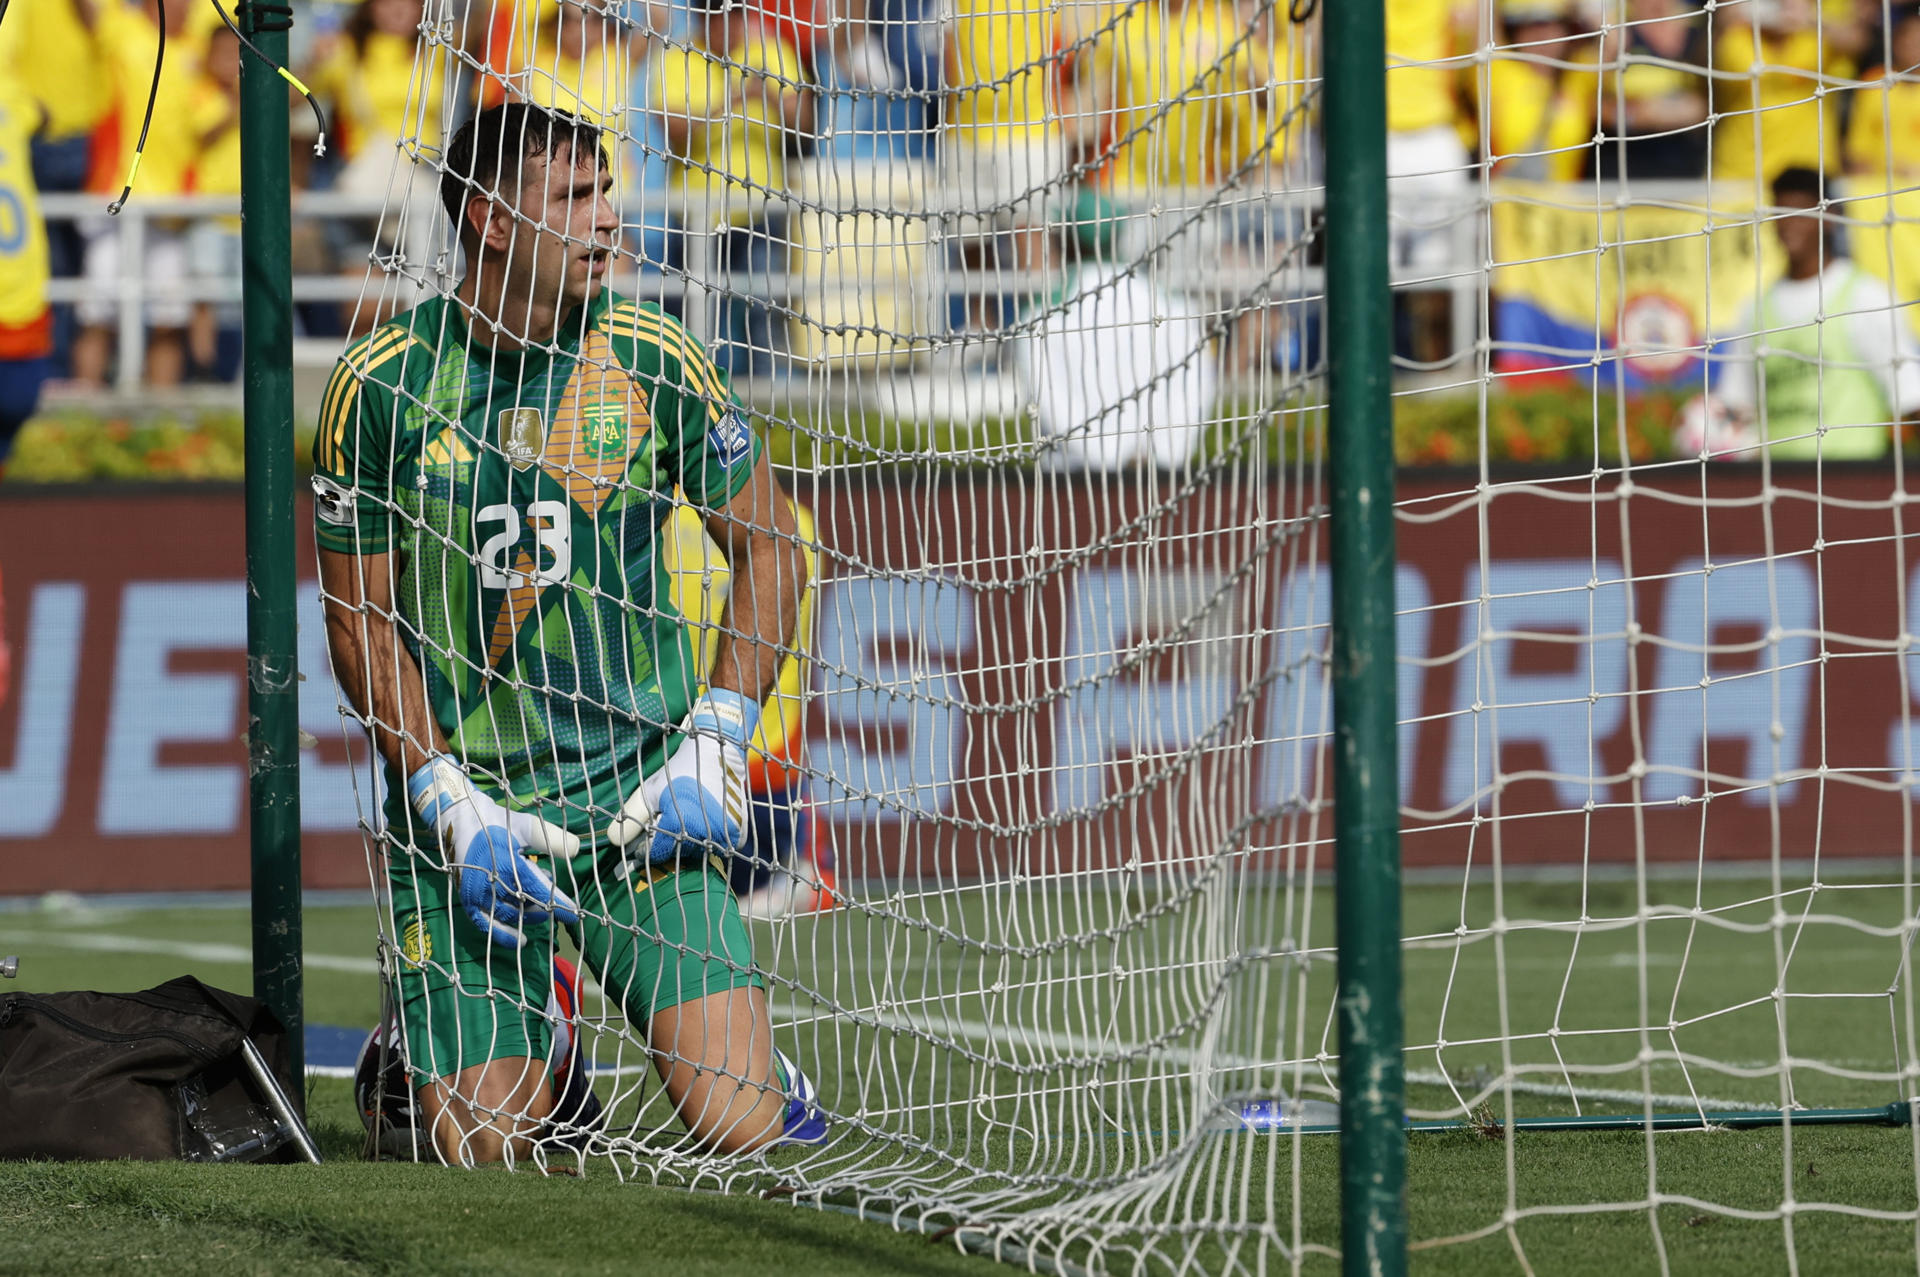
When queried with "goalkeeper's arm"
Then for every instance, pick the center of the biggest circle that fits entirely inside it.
(373, 666)
(500, 889)
(760, 536)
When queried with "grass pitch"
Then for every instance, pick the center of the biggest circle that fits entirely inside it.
(1725, 979)
(349, 1215)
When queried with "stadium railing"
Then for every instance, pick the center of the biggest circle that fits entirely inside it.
(1264, 227)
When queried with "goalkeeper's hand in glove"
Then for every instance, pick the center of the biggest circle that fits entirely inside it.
(697, 803)
(486, 844)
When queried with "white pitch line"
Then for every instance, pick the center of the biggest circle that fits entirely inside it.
(229, 954)
(240, 955)
(1082, 1044)
(1427, 1077)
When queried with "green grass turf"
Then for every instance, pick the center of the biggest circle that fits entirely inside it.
(1711, 976)
(126, 1217)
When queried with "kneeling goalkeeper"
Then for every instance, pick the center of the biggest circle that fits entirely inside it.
(493, 472)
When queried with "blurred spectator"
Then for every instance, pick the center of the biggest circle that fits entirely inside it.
(872, 107)
(66, 76)
(213, 243)
(581, 62)
(732, 103)
(1206, 94)
(1271, 240)
(1772, 113)
(128, 36)
(802, 26)
(507, 34)
(370, 88)
(648, 157)
(1851, 35)
(861, 226)
(26, 327)
(1190, 84)
(1002, 116)
(731, 100)
(1873, 20)
(1824, 347)
(908, 33)
(1883, 136)
(1004, 151)
(1427, 167)
(1539, 112)
(387, 113)
(1654, 95)
(1118, 366)
(1291, 62)
(317, 33)
(69, 80)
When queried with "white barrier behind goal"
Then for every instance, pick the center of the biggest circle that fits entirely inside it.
(1046, 376)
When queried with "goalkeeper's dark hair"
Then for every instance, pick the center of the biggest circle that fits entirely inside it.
(498, 141)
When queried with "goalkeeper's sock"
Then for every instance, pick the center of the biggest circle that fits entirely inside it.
(803, 1122)
(577, 1111)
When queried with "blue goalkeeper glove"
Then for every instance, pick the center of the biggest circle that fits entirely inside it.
(486, 844)
(697, 803)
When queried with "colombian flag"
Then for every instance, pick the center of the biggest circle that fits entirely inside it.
(1623, 295)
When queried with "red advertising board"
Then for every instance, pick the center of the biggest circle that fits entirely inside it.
(121, 762)
(1676, 666)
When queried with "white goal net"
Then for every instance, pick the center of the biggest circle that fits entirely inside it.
(1023, 304)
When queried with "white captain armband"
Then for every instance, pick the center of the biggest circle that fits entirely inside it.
(333, 502)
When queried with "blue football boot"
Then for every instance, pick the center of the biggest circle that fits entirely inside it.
(803, 1121)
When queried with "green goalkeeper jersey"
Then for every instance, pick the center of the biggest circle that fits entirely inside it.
(523, 497)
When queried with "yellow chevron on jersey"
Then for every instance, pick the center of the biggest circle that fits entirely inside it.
(667, 333)
(351, 370)
(601, 422)
(673, 336)
(448, 449)
(524, 586)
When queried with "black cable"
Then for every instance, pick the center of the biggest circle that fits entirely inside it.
(282, 11)
(146, 122)
(285, 13)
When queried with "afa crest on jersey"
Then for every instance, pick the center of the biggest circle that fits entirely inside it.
(523, 436)
(605, 428)
(416, 944)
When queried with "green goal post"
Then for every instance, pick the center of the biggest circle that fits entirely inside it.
(273, 676)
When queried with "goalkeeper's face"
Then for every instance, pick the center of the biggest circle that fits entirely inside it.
(565, 203)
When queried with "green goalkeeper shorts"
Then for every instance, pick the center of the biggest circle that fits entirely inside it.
(653, 940)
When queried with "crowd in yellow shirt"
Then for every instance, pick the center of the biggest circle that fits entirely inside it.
(1547, 89)
(23, 236)
(718, 103)
(730, 98)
